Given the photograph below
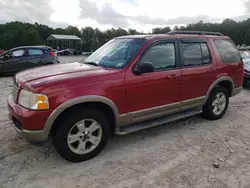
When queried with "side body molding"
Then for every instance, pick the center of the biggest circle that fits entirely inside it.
(83, 99)
(126, 119)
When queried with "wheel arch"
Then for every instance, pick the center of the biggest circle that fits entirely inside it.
(79, 101)
(225, 82)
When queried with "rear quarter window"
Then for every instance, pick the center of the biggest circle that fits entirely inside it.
(227, 50)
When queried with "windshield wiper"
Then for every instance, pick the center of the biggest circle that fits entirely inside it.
(92, 63)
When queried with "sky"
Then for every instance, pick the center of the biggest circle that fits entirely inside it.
(142, 15)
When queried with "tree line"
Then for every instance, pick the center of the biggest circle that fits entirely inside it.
(14, 34)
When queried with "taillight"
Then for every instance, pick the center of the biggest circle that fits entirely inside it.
(52, 53)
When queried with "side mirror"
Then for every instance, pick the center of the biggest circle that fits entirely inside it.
(144, 67)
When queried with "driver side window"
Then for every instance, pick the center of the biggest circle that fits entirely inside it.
(14, 54)
(18, 53)
(162, 56)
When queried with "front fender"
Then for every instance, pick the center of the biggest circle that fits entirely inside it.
(83, 99)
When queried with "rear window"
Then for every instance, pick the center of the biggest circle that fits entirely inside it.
(35, 52)
(227, 50)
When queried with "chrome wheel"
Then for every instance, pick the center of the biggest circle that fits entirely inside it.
(219, 103)
(84, 136)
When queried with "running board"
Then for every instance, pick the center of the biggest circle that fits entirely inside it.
(155, 122)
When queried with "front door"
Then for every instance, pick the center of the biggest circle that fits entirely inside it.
(13, 61)
(156, 93)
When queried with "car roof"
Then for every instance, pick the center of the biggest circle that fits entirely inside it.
(25, 47)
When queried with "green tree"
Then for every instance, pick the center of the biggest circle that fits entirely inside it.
(32, 37)
(70, 30)
(14, 34)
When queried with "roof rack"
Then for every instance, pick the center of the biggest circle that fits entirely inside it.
(195, 33)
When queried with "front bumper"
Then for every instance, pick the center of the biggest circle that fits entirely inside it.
(27, 122)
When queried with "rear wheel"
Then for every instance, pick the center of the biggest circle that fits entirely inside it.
(81, 135)
(217, 104)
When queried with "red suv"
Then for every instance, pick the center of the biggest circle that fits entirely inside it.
(129, 84)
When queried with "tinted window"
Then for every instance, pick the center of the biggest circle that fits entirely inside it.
(34, 52)
(205, 53)
(195, 54)
(192, 54)
(162, 56)
(227, 50)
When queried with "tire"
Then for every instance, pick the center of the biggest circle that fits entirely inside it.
(67, 125)
(208, 109)
(245, 83)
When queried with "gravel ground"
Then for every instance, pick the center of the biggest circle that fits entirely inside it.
(190, 153)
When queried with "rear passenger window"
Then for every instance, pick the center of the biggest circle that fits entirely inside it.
(195, 53)
(227, 50)
(35, 52)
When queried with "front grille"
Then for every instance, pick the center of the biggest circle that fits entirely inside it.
(15, 90)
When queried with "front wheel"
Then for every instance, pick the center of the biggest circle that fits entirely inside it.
(217, 104)
(81, 135)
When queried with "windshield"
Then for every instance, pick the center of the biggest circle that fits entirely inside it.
(245, 54)
(116, 53)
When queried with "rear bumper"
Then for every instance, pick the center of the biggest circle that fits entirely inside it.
(56, 61)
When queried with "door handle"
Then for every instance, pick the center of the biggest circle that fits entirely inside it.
(171, 76)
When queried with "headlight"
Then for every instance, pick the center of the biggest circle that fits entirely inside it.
(33, 101)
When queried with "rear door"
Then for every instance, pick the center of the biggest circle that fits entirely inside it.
(231, 63)
(198, 71)
(35, 57)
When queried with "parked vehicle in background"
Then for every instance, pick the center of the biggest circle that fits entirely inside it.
(244, 48)
(65, 52)
(55, 51)
(25, 57)
(2, 51)
(246, 60)
(129, 84)
(87, 53)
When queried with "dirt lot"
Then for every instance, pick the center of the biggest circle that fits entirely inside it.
(191, 153)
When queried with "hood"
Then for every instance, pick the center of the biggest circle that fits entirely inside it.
(246, 64)
(42, 73)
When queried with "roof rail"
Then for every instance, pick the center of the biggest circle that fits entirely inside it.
(195, 33)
